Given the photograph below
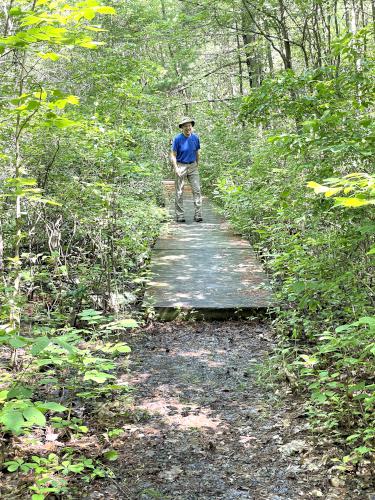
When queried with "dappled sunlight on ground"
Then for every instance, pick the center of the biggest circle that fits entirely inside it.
(180, 415)
(205, 356)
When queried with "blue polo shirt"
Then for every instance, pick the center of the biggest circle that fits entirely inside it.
(186, 147)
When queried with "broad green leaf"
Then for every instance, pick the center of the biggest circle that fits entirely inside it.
(88, 13)
(105, 9)
(332, 192)
(367, 320)
(318, 188)
(122, 348)
(3, 395)
(39, 344)
(65, 345)
(49, 55)
(17, 342)
(63, 122)
(90, 44)
(20, 392)
(13, 420)
(126, 323)
(320, 397)
(89, 313)
(21, 181)
(97, 376)
(351, 202)
(72, 99)
(34, 416)
(51, 406)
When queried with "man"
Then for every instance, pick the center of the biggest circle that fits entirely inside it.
(185, 159)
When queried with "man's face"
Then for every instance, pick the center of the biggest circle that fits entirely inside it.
(187, 129)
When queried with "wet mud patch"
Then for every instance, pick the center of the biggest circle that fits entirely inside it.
(208, 428)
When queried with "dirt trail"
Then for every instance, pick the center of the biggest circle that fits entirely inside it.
(207, 430)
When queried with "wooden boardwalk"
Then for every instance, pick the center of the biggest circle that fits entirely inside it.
(204, 268)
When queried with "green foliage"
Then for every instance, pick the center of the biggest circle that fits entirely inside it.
(311, 126)
(16, 416)
(339, 373)
(361, 185)
(74, 368)
(51, 473)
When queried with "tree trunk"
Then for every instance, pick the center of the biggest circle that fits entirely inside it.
(285, 35)
(269, 58)
(316, 32)
(240, 71)
(247, 41)
(347, 15)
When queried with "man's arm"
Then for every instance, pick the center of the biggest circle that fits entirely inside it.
(174, 160)
(197, 160)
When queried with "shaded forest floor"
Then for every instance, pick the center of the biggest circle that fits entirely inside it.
(204, 427)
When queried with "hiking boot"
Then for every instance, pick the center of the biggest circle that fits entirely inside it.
(198, 219)
(180, 219)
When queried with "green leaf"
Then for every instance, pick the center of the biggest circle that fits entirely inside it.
(105, 9)
(363, 449)
(122, 348)
(63, 122)
(88, 313)
(97, 376)
(15, 11)
(39, 344)
(17, 342)
(12, 466)
(352, 202)
(34, 416)
(367, 320)
(111, 455)
(49, 55)
(320, 397)
(20, 392)
(88, 13)
(65, 345)
(51, 406)
(126, 323)
(13, 420)
(3, 395)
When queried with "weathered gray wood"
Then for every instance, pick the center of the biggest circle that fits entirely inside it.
(205, 267)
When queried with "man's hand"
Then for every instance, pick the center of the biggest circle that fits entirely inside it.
(174, 161)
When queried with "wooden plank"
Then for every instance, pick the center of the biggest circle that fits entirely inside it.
(205, 267)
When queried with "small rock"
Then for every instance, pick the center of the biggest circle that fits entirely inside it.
(316, 493)
(171, 474)
(335, 482)
(296, 446)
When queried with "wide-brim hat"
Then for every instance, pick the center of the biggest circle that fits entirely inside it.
(186, 119)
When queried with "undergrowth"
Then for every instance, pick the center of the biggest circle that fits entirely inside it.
(298, 185)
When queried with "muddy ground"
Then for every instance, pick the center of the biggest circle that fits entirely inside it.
(209, 426)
